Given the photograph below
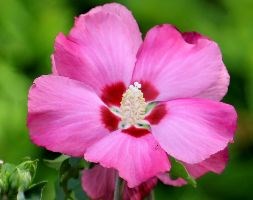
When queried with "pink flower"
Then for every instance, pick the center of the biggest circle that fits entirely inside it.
(99, 182)
(128, 104)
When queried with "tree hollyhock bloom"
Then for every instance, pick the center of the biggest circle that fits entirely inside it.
(99, 182)
(126, 103)
(106, 178)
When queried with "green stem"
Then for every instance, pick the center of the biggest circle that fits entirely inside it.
(117, 188)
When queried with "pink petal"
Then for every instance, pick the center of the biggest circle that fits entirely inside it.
(177, 68)
(165, 178)
(139, 192)
(195, 129)
(219, 88)
(99, 182)
(216, 163)
(64, 115)
(101, 48)
(136, 159)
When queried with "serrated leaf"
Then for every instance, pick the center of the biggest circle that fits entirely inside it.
(178, 170)
(57, 162)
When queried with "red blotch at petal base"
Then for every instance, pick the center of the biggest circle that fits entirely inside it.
(109, 120)
(136, 132)
(157, 114)
(112, 94)
(149, 90)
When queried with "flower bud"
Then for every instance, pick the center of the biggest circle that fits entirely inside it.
(5, 172)
(22, 177)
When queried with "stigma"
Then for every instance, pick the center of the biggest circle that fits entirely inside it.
(132, 106)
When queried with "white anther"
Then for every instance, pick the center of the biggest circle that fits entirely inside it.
(133, 105)
(137, 84)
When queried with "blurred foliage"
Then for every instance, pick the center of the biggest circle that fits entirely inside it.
(68, 185)
(27, 32)
(16, 181)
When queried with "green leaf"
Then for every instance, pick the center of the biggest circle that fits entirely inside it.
(59, 193)
(75, 186)
(69, 169)
(179, 171)
(69, 184)
(56, 163)
(35, 191)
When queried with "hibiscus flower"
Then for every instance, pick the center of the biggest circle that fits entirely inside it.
(105, 189)
(106, 178)
(128, 104)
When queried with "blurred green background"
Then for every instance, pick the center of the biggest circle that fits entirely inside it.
(27, 32)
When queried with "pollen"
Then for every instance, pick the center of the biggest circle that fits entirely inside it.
(133, 105)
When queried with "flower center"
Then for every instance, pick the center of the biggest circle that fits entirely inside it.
(132, 106)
